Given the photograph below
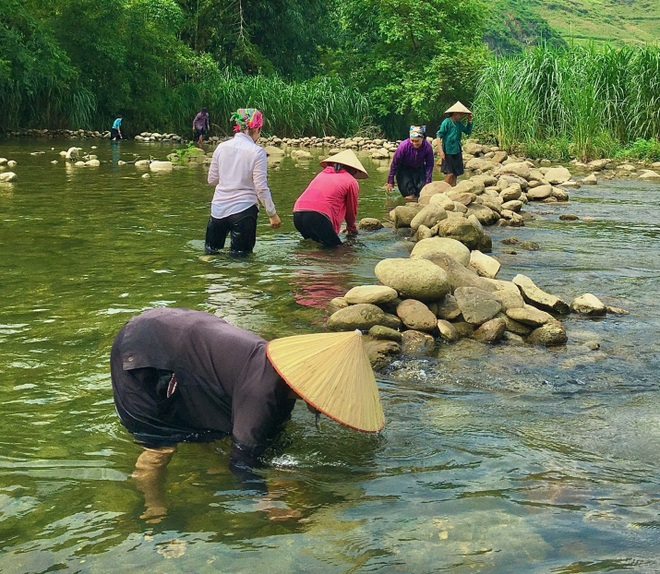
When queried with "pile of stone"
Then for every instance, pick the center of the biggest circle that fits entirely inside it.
(446, 291)
(149, 137)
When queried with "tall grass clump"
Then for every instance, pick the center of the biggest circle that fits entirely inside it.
(596, 99)
(321, 106)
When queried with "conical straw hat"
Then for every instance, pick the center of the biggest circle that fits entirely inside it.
(348, 157)
(331, 372)
(458, 108)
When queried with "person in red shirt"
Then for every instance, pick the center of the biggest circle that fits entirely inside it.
(330, 199)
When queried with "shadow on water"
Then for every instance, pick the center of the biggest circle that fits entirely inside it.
(502, 458)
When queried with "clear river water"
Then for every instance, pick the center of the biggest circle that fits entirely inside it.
(494, 458)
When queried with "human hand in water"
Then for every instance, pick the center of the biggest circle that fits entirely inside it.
(275, 221)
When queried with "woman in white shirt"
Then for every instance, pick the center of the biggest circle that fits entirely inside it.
(239, 172)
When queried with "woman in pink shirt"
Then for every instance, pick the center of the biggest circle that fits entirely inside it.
(330, 198)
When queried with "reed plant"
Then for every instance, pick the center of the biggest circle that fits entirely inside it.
(596, 99)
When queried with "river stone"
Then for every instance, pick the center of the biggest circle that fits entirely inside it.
(590, 179)
(435, 245)
(507, 293)
(460, 229)
(428, 216)
(464, 198)
(142, 163)
(432, 189)
(413, 278)
(447, 330)
(511, 193)
(416, 315)
(474, 186)
(477, 306)
(649, 175)
(385, 333)
(539, 193)
(376, 294)
(598, 164)
(539, 298)
(404, 214)
(480, 164)
(72, 153)
(274, 151)
(391, 321)
(509, 179)
(484, 214)
(559, 194)
(361, 316)
(8, 177)
(588, 304)
(552, 334)
(370, 224)
(514, 205)
(529, 315)
(463, 329)
(380, 352)
(424, 232)
(516, 327)
(92, 163)
(521, 169)
(335, 304)
(447, 308)
(484, 265)
(458, 275)
(416, 342)
(486, 178)
(490, 331)
(557, 175)
(443, 200)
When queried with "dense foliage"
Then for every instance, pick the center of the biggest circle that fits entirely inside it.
(315, 66)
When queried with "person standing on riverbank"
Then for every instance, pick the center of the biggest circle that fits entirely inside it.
(200, 126)
(330, 198)
(180, 375)
(412, 164)
(115, 131)
(239, 172)
(448, 141)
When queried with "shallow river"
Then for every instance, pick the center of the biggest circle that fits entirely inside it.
(501, 458)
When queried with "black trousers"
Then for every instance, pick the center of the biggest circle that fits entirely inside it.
(410, 180)
(241, 227)
(316, 226)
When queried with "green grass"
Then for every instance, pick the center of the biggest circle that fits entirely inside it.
(616, 22)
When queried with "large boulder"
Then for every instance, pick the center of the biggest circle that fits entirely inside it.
(483, 264)
(427, 248)
(521, 169)
(415, 315)
(8, 177)
(362, 316)
(588, 304)
(457, 274)
(404, 214)
(539, 298)
(428, 216)
(375, 294)
(413, 278)
(529, 315)
(431, 189)
(477, 306)
(490, 331)
(460, 229)
(557, 175)
(551, 334)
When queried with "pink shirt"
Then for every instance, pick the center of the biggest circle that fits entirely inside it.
(334, 194)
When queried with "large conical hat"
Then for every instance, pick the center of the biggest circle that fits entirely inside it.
(458, 108)
(347, 157)
(331, 372)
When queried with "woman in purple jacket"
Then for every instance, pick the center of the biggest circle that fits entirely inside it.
(412, 164)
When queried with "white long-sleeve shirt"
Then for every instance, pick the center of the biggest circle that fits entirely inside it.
(239, 172)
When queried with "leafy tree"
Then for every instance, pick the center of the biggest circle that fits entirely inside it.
(411, 57)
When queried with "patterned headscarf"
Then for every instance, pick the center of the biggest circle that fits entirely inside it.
(247, 118)
(417, 131)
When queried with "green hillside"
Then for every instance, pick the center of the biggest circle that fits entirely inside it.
(517, 23)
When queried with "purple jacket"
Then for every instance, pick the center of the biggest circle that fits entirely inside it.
(407, 155)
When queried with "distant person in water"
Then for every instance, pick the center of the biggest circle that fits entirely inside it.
(200, 126)
(330, 198)
(412, 164)
(239, 172)
(115, 132)
(448, 141)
